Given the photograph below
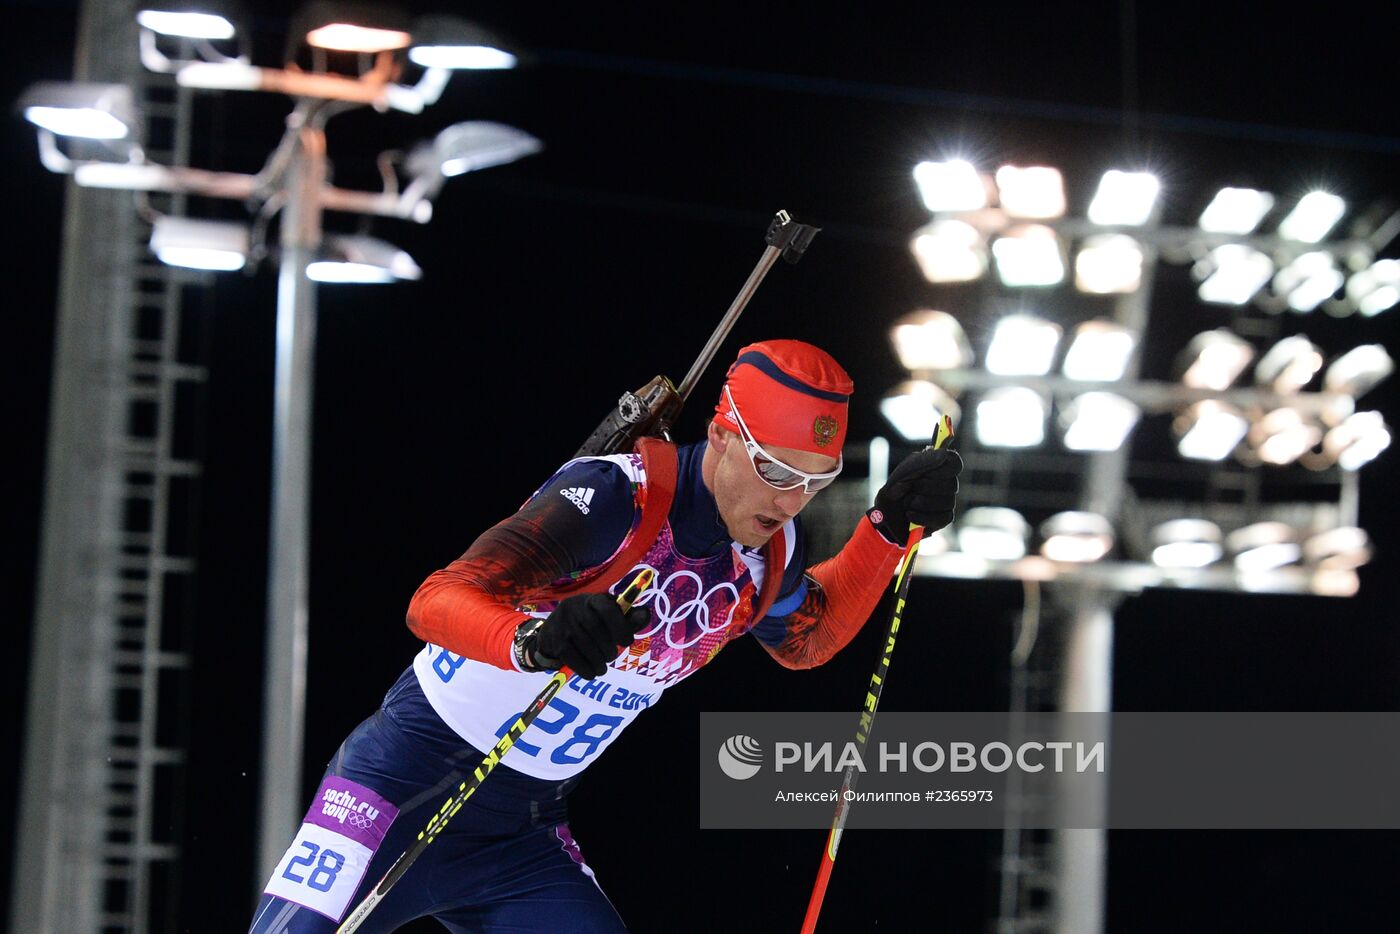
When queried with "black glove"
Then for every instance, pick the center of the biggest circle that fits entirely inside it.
(585, 632)
(922, 490)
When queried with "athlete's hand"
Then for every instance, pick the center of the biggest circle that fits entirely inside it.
(585, 632)
(922, 490)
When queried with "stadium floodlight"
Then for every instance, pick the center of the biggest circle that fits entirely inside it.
(930, 340)
(1186, 543)
(1309, 280)
(200, 244)
(993, 533)
(949, 251)
(1033, 192)
(1264, 546)
(361, 259)
(1011, 417)
(1341, 549)
(1335, 583)
(1124, 199)
(1210, 430)
(1233, 274)
(1375, 288)
(1022, 345)
(1108, 264)
(191, 27)
(953, 185)
(1214, 360)
(915, 407)
(1236, 211)
(1098, 421)
(1282, 436)
(1076, 537)
(347, 37)
(470, 146)
(1312, 217)
(1359, 370)
(1029, 256)
(1100, 351)
(450, 42)
(234, 76)
(169, 20)
(1289, 365)
(84, 110)
(350, 26)
(1357, 441)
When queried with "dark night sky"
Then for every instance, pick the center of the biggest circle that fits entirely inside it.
(549, 286)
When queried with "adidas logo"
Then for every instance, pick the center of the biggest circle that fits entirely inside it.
(579, 496)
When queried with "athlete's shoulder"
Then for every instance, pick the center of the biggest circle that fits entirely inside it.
(606, 480)
(584, 510)
(614, 469)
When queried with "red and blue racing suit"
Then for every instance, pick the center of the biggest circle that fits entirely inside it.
(507, 861)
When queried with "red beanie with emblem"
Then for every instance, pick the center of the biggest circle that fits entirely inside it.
(789, 394)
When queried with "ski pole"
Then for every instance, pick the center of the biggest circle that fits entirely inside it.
(872, 702)
(473, 781)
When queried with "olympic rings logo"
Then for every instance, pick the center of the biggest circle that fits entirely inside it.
(359, 820)
(668, 606)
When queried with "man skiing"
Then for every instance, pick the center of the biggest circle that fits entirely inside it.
(717, 523)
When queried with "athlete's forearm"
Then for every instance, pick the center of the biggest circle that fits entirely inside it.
(841, 594)
(468, 607)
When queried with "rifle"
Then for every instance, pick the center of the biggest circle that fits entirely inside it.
(653, 409)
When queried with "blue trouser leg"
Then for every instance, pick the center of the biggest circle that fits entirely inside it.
(505, 862)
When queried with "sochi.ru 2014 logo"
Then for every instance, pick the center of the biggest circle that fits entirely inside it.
(741, 757)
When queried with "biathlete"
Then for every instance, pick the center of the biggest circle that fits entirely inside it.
(717, 521)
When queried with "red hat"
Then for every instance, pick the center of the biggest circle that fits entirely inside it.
(790, 395)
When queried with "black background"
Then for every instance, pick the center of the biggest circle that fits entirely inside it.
(549, 286)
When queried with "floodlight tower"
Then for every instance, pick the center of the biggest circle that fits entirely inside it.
(1107, 541)
(93, 132)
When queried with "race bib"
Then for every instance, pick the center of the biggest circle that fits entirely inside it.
(326, 862)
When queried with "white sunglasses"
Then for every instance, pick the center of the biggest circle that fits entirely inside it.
(774, 472)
